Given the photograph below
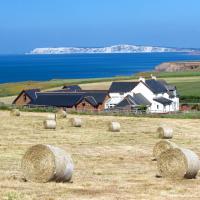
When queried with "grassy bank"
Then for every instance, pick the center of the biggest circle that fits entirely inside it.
(10, 89)
(179, 115)
(170, 74)
(188, 84)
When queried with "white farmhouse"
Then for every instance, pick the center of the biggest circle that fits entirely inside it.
(163, 97)
(156, 95)
(118, 91)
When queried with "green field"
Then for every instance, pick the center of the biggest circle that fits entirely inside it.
(10, 89)
(188, 84)
(188, 88)
(170, 74)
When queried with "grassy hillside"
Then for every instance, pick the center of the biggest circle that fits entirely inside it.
(188, 87)
(170, 74)
(10, 89)
(188, 84)
(108, 166)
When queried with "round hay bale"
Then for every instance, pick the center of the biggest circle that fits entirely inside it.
(178, 163)
(165, 132)
(15, 112)
(61, 114)
(76, 122)
(51, 116)
(43, 163)
(114, 127)
(49, 124)
(162, 146)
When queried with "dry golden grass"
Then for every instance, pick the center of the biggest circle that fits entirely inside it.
(7, 100)
(107, 165)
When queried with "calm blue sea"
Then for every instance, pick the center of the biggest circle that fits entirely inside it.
(14, 68)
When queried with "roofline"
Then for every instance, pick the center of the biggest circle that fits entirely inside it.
(84, 98)
(93, 99)
(147, 86)
(78, 92)
(151, 89)
(60, 93)
(18, 96)
(24, 90)
(123, 82)
(163, 103)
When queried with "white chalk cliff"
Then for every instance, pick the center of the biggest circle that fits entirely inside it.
(111, 49)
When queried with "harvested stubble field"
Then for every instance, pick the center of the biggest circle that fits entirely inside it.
(107, 165)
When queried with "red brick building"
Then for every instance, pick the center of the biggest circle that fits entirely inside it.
(26, 96)
(94, 101)
(84, 100)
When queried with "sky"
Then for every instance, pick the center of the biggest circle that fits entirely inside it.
(28, 24)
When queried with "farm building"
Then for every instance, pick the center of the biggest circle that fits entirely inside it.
(155, 95)
(56, 99)
(163, 98)
(93, 101)
(26, 96)
(84, 100)
(185, 107)
(134, 102)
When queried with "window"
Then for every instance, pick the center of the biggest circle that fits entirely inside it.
(112, 106)
(157, 106)
(25, 98)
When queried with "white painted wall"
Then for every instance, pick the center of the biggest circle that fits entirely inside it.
(149, 95)
(156, 107)
(115, 98)
(144, 90)
(113, 101)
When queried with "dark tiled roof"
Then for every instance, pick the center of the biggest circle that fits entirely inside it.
(68, 99)
(155, 86)
(127, 101)
(136, 100)
(141, 100)
(72, 88)
(32, 93)
(98, 96)
(163, 101)
(167, 86)
(94, 98)
(95, 91)
(171, 94)
(57, 99)
(91, 100)
(77, 92)
(122, 87)
(62, 91)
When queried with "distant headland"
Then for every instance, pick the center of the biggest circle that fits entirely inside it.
(110, 49)
(178, 66)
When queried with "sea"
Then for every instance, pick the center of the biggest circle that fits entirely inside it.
(16, 68)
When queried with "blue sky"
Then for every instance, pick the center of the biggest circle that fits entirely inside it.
(27, 24)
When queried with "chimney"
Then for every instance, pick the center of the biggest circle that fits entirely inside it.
(142, 79)
(153, 77)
